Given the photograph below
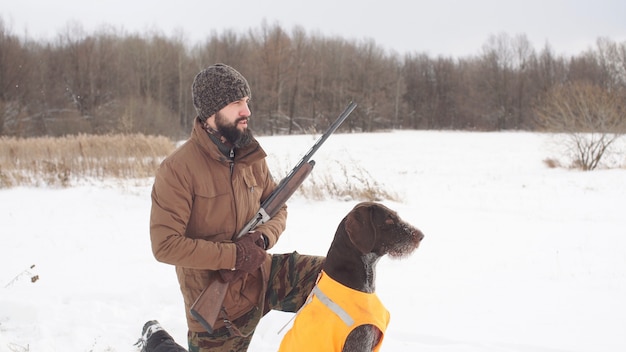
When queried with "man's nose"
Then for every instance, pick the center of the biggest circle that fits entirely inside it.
(245, 110)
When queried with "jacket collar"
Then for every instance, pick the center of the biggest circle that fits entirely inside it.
(248, 154)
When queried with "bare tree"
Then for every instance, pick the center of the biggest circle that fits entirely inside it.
(612, 59)
(498, 74)
(420, 92)
(591, 117)
(110, 81)
(273, 46)
(298, 58)
(14, 68)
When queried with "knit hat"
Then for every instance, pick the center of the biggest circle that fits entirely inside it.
(215, 87)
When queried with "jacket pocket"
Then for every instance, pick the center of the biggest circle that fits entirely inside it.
(193, 282)
(249, 179)
(243, 294)
(211, 216)
(252, 188)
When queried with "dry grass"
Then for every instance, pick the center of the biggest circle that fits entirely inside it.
(551, 163)
(64, 161)
(343, 181)
(48, 161)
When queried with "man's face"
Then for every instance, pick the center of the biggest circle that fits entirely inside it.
(232, 123)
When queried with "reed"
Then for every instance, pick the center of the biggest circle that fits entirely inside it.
(61, 161)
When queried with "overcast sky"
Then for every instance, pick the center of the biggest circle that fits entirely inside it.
(436, 27)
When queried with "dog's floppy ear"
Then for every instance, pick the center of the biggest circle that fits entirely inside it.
(360, 228)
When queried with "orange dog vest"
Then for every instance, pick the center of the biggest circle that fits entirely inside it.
(331, 312)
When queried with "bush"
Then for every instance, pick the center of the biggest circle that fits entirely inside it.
(593, 118)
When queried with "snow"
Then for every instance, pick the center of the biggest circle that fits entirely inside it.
(517, 256)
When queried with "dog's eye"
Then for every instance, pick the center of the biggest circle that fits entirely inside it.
(389, 221)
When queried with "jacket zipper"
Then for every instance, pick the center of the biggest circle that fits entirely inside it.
(232, 188)
(232, 161)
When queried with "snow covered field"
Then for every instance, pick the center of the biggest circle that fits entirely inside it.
(517, 256)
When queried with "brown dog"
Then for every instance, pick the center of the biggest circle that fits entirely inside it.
(343, 313)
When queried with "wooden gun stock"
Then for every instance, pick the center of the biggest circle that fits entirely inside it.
(208, 305)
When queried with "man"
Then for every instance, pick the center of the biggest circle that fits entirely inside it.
(203, 194)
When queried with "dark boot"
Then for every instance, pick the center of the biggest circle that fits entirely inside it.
(155, 339)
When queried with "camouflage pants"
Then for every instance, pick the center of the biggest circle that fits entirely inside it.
(291, 279)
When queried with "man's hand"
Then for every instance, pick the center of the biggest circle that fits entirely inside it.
(250, 255)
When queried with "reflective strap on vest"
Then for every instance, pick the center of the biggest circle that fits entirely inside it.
(334, 307)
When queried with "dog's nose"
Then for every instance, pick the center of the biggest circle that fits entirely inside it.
(417, 233)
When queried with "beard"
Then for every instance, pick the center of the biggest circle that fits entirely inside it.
(231, 133)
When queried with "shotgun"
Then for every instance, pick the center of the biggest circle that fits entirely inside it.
(208, 305)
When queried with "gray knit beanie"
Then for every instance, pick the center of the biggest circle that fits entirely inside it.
(215, 87)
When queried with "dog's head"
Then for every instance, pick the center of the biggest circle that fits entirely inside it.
(374, 228)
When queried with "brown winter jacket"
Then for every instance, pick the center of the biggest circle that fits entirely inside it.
(198, 205)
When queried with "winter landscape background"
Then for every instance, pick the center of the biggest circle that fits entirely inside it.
(517, 256)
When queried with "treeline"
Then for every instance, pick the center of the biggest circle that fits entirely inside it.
(114, 82)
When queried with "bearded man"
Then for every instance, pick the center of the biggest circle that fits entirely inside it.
(203, 194)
